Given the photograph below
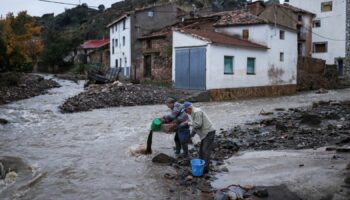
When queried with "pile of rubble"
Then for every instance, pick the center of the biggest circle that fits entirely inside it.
(119, 94)
(326, 123)
(27, 85)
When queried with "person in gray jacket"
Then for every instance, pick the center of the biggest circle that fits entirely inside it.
(203, 127)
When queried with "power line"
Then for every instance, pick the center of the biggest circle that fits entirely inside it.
(321, 36)
(64, 3)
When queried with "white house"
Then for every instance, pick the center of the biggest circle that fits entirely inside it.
(329, 29)
(244, 51)
(120, 46)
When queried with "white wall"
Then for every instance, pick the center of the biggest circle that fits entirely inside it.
(333, 25)
(269, 36)
(121, 51)
(265, 60)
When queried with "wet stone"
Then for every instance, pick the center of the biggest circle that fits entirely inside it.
(261, 193)
(163, 159)
(3, 121)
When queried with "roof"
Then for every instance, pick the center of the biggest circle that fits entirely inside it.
(223, 39)
(294, 9)
(239, 17)
(94, 44)
(118, 20)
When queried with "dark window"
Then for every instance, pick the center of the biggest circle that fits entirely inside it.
(282, 35)
(251, 66)
(116, 63)
(245, 34)
(228, 64)
(123, 40)
(116, 42)
(112, 29)
(116, 28)
(148, 44)
(124, 24)
(300, 18)
(281, 56)
(112, 46)
(320, 47)
(316, 23)
(286, 1)
(326, 6)
(120, 61)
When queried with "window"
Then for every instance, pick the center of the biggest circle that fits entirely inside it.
(148, 44)
(281, 56)
(326, 6)
(123, 40)
(124, 24)
(320, 47)
(245, 34)
(300, 18)
(228, 64)
(112, 46)
(112, 29)
(125, 61)
(116, 28)
(250, 66)
(116, 63)
(282, 35)
(316, 23)
(286, 1)
(120, 61)
(116, 42)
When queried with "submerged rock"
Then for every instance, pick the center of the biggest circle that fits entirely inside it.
(3, 121)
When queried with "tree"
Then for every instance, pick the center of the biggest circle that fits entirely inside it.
(18, 35)
(101, 8)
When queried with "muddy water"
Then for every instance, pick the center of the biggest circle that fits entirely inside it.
(86, 155)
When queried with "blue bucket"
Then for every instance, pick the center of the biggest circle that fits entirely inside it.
(197, 166)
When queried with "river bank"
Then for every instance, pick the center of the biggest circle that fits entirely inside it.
(17, 86)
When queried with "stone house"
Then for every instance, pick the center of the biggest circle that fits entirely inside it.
(157, 48)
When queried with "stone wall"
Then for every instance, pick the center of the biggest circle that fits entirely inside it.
(249, 92)
(315, 74)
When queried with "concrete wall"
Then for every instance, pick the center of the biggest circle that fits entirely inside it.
(332, 26)
(121, 52)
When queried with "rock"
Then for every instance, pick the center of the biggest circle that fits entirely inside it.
(219, 195)
(261, 193)
(301, 165)
(163, 158)
(10, 177)
(224, 169)
(189, 178)
(2, 171)
(280, 109)
(347, 180)
(310, 119)
(280, 126)
(321, 91)
(3, 121)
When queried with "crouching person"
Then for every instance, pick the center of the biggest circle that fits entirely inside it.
(182, 131)
(202, 126)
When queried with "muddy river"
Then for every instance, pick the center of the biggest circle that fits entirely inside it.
(87, 155)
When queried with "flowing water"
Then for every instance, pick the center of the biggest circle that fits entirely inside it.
(87, 155)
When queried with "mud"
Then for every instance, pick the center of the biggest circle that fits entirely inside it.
(27, 85)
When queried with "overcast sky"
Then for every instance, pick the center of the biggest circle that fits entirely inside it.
(38, 8)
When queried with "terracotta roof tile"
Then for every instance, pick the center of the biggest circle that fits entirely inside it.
(223, 39)
(239, 17)
(94, 44)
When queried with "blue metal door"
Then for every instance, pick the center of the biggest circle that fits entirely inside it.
(190, 68)
(182, 68)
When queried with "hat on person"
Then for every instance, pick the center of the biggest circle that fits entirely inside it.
(187, 104)
(170, 100)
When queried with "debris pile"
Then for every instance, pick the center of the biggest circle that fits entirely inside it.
(119, 94)
(325, 123)
(27, 85)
